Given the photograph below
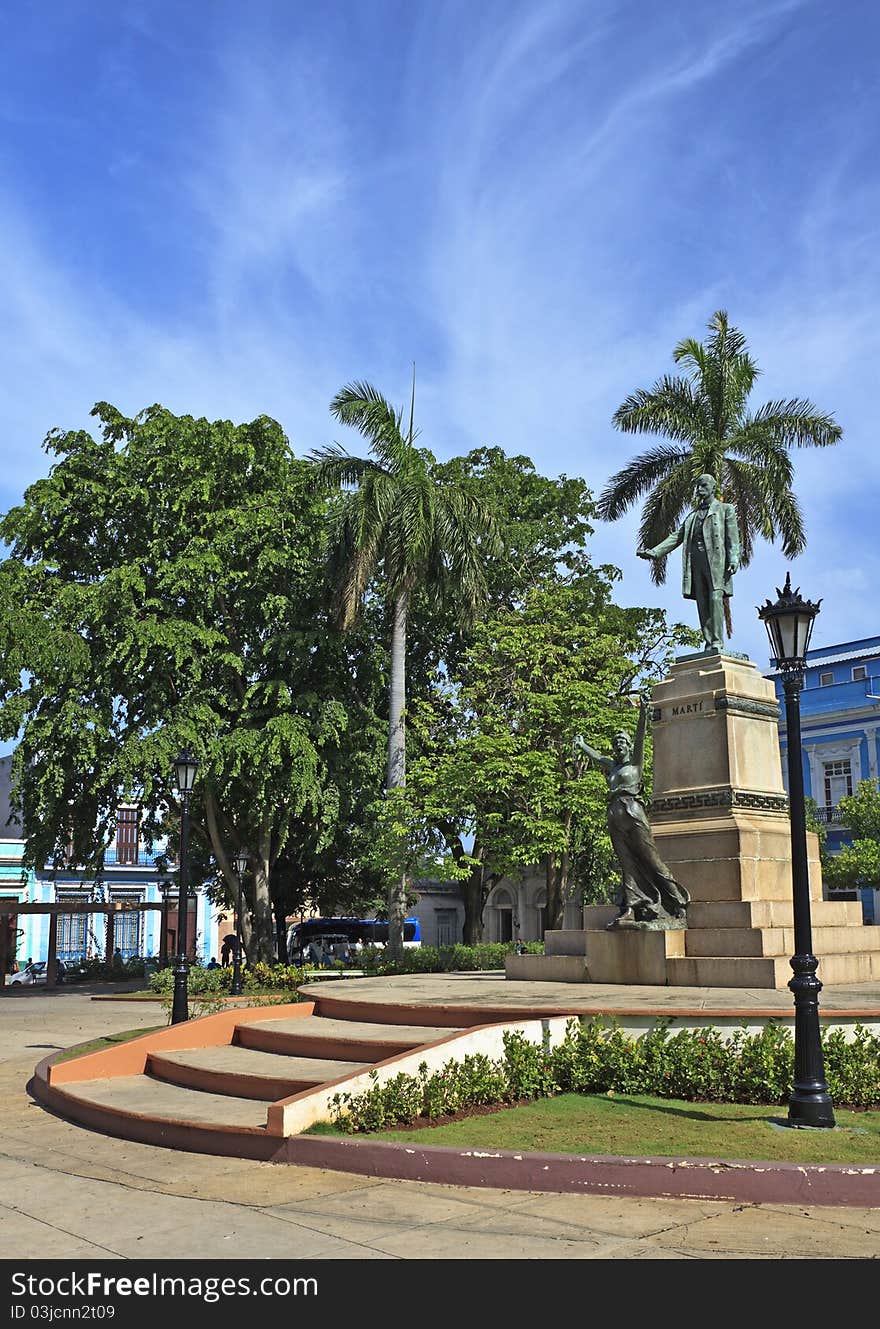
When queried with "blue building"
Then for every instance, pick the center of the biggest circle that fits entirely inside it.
(840, 731)
(130, 876)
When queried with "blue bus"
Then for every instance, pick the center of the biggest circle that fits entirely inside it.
(331, 933)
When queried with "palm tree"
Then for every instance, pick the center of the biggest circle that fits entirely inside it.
(400, 523)
(711, 431)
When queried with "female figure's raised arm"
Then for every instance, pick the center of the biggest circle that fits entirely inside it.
(583, 746)
(638, 755)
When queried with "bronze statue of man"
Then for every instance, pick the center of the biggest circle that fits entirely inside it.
(650, 895)
(709, 537)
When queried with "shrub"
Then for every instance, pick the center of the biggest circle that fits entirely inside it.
(199, 980)
(443, 959)
(852, 1069)
(596, 1056)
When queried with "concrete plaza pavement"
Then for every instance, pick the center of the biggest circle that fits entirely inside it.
(73, 1194)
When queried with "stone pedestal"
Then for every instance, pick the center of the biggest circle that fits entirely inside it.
(719, 816)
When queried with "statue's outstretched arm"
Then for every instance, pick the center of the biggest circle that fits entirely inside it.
(665, 546)
(581, 745)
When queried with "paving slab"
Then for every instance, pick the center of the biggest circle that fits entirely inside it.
(489, 993)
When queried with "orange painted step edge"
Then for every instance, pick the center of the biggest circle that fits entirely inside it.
(131, 1058)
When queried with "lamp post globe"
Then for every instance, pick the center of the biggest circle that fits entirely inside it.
(239, 862)
(789, 624)
(185, 769)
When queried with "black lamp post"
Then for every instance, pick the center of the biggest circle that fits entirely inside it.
(789, 623)
(185, 768)
(239, 862)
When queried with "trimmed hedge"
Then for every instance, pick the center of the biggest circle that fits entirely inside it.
(445, 959)
(371, 960)
(595, 1056)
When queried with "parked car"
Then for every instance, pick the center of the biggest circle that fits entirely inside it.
(29, 975)
(35, 972)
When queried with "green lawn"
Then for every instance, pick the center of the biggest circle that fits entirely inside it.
(628, 1124)
(99, 1044)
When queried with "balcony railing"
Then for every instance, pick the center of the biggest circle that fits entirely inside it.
(119, 858)
(830, 816)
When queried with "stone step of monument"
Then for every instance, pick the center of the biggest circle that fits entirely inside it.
(778, 941)
(762, 884)
(743, 971)
(771, 913)
(547, 968)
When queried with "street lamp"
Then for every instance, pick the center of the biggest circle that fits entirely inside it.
(185, 768)
(789, 623)
(239, 862)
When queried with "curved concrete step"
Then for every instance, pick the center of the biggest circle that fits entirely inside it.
(141, 1096)
(325, 1037)
(243, 1072)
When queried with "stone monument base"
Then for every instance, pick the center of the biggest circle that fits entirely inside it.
(632, 955)
(719, 817)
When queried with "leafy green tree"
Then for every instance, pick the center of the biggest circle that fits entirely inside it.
(163, 588)
(505, 769)
(710, 429)
(857, 864)
(546, 522)
(401, 526)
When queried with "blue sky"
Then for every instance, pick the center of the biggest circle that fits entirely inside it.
(235, 209)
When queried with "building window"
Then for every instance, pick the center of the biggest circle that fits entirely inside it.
(127, 924)
(447, 926)
(859, 673)
(72, 936)
(127, 835)
(838, 782)
(826, 680)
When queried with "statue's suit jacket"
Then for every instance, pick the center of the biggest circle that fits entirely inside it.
(721, 538)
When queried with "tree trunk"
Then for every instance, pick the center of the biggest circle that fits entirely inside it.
(280, 930)
(396, 773)
(555, 877)
(249, 936)
(475, 892)
(263, 922)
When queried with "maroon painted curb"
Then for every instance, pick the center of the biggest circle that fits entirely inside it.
(749, 1181)
(597, 1174)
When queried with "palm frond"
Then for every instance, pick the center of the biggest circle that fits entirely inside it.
(671, 407)
(363, 407)
(334, 467)
(797, 422)
(691, 352)
(789, 519)
(742, 486)
(642, 474)
(355, 554)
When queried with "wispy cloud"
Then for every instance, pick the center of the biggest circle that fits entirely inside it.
(533, 202)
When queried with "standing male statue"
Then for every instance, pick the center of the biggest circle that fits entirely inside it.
(710, 556)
